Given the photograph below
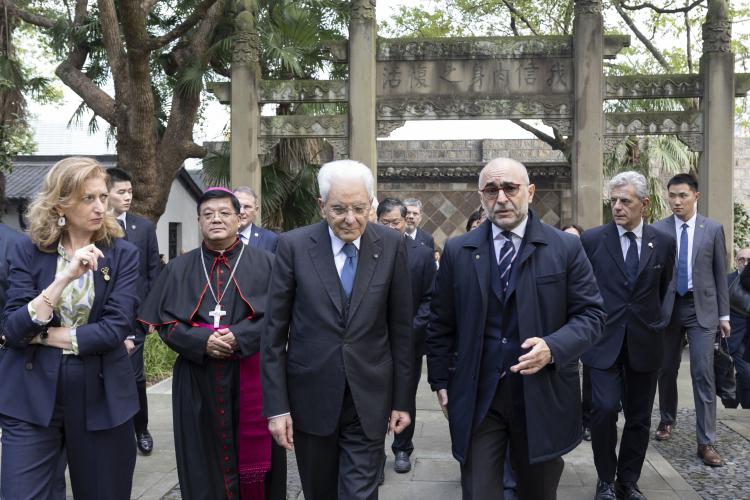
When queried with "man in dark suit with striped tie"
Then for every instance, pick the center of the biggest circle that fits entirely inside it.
(141, 233)
(250, 233)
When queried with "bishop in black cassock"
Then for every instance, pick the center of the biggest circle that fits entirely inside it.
(223, 448)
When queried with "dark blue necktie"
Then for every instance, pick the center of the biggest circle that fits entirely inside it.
(682, 262)
(122, 225)
(507, 253)
(631, 258)
(350, 268)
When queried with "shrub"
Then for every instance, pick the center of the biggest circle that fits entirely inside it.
(158, 359)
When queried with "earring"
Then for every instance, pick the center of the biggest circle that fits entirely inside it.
(61, 221)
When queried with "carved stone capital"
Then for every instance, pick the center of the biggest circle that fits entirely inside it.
(694, 142)
(588, 7)
(304, 126)
(562, 125)
(717, 36)
(386, 127)
(276, 91)
(363, 10)
(246, 47)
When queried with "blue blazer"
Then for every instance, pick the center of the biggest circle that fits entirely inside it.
(634, 310)
(262, 238)
(8, 238)
(142, 233)
(30, 372)
(556, 298)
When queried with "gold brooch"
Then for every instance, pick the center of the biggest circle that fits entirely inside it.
(105, 273)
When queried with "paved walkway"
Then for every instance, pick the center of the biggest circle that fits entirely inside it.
(671, 471)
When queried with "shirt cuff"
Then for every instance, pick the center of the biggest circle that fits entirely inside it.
(723, 318)
(35, 317)
(279, 415)
(74, 341)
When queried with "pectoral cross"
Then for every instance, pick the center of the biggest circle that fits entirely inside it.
(217, 314)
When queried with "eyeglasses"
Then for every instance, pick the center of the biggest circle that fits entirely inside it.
(223, 215)
(742, 260)
(491, 192)
(339, 211)
(395, 223)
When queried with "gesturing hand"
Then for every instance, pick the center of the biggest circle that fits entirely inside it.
(534, 360)
(84, 258)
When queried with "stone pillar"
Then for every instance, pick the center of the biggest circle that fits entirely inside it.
(588, 121)
(362, 80)
(245, 121)
(716, 166)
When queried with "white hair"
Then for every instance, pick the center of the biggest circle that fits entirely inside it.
(638, 181)
(344, 170)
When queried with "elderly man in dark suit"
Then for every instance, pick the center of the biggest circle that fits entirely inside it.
(515, 305)
(336, 354)
(392, 212)
(633, 265)
(696, 306)
(251, 234)
(141, 233)
(413, 220)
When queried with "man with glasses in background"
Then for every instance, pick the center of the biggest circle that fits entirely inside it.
(413, 220)
(392, 213)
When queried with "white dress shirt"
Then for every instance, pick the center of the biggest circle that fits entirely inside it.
(690, 232)
(516, 235)
(337, 245)
(625, 241)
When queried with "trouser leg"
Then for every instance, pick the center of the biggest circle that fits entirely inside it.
(673, 344)
(606, 386)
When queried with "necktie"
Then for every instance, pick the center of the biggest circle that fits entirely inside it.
(350, 268)
(122, 225)
(631, 258)
(507, 253)
(682, 263)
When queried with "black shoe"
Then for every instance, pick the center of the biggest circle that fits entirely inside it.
(587, 434)
(145, 442)
(402, 465)
(628, 490)
(605, 490)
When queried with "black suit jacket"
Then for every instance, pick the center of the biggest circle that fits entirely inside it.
(634, 310)
(425, 239)
(422, 271)
(142, 233)
(311, 347)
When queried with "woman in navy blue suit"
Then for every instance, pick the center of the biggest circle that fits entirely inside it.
(67, 382)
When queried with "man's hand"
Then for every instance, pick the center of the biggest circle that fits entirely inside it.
(228, 337)
(399, 421)
(725, 328)
(129, 345)
(281, 430)
(217, 348)
(442, 397)
(534, 360)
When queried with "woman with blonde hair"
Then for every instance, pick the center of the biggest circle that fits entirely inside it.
(68, 386)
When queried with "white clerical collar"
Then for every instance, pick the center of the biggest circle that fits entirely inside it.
(518, 231)
(337, 243)
(637, 231)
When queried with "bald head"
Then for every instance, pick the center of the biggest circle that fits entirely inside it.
(505, 192)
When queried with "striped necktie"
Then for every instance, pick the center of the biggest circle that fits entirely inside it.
(507, 254)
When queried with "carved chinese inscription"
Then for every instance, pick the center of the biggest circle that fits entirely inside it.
(498, 77)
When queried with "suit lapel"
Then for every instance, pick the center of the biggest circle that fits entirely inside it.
(100, 285)
(370, 250)
(647, 247)
(48, 268)
(613, 246)
(698, 233)
(481, 253)
(321, 256)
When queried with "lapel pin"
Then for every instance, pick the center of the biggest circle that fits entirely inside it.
(700, 226)
(650, 244)
(255, 234)
(132, 227)
(476, 256)
(376, 256)
(105, 273)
